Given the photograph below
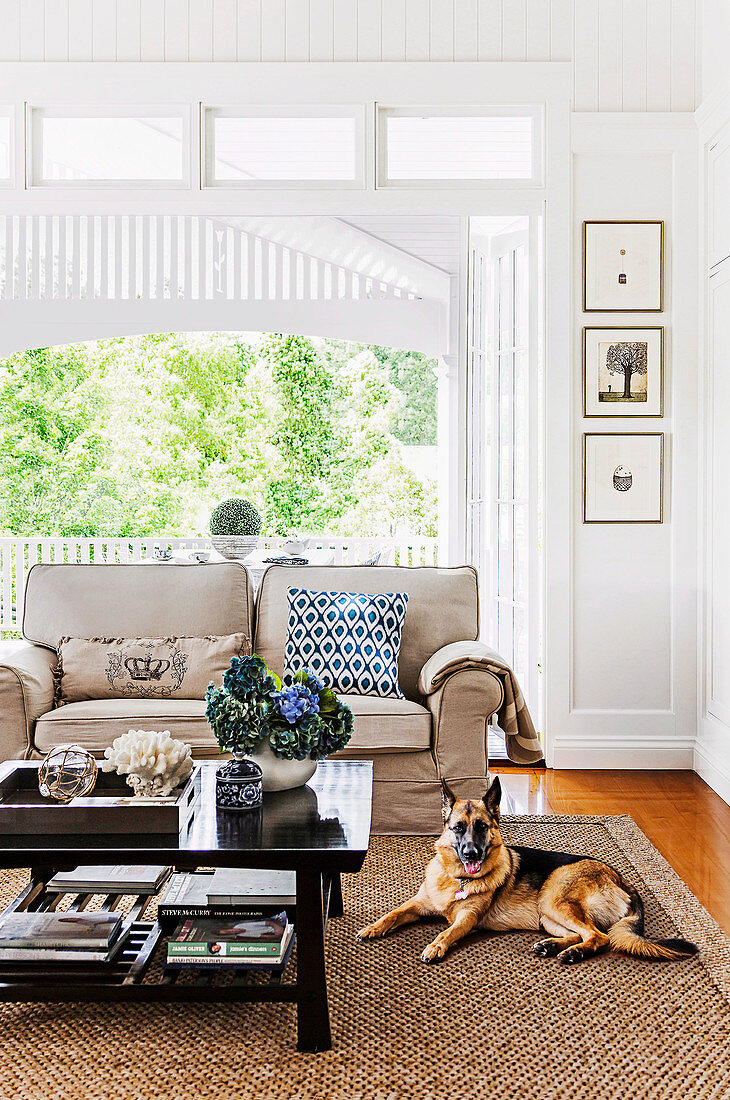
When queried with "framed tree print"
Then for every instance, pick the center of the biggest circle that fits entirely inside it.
(623, 371)
(623, 267)
(623, 477)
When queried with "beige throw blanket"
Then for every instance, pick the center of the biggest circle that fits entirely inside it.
(523, 744)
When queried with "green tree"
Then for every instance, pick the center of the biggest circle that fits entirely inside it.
(144, 435)
(51, 445)
(304, 434)
(414, 375)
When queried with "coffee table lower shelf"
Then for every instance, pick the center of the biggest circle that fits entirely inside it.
(125, 978)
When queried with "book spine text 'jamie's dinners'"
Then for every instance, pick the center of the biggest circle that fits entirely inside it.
(230, 949)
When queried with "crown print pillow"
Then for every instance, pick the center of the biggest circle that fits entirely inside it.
(142, 668)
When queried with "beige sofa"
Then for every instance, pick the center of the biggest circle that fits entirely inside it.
(413, 742)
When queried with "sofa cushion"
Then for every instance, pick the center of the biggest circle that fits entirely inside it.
(136, 601)
(387, 725)
(143, 668)
(381, 725)
(443, 607)
(95, 724)
(351, 640)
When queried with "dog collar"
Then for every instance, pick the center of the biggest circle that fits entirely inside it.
(462, 892)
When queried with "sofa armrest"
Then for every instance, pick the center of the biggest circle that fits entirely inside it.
(26, 692)
(453, 658)
(477, 659)
(462, 698)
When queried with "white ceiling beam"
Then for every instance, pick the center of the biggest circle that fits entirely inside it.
(393, 322)
(336, 242)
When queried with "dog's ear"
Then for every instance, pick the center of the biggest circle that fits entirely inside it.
(448, 798)
(492, 797)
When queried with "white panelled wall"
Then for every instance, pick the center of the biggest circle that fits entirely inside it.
(627, 693)
(629, 55)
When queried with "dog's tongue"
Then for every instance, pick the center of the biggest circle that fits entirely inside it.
(471, 867)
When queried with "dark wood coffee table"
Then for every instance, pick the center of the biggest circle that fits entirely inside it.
(319, 831)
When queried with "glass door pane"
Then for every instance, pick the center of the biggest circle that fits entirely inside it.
(503, 499)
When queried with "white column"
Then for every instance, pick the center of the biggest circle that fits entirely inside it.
(451, 483)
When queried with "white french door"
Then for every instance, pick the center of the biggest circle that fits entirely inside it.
(504, 442)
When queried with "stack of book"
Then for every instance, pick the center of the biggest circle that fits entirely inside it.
(232, 942)
(59, 937)
(232, 918)
(123, 878)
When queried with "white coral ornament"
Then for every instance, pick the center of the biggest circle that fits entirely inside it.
(154, 763)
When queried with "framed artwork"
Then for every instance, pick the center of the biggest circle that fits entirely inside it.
(623, 371)
(623, 267)
(623, 477)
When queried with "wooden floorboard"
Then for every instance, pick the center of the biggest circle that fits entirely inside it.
(682, 817)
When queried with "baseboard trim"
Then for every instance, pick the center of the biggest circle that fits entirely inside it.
(622, 753)
(714, 772)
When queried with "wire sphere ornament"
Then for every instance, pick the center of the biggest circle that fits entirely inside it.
(67, 772)
(622, 478)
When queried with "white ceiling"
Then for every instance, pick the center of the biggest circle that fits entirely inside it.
(433, 239)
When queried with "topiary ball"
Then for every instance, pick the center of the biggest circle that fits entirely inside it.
(235, 516)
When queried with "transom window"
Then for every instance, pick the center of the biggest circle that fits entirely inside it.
(107, 146)
(457, 145)
(277, 146)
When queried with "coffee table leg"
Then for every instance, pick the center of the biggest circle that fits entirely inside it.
(336, 907)
(313, 1020)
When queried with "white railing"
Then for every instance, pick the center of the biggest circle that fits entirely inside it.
(17, 555)
(153, 257)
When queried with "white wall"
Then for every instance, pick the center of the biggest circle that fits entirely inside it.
(713, 51)
(630, 55)
(635, 55)
(627, 696)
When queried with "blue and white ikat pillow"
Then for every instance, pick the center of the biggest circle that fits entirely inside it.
(351, 640)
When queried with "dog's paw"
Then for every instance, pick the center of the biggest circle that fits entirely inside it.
(433, 953)
(545, 949)
(572, 955)
(369, 932)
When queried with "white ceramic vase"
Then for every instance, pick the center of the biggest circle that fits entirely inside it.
(278, 774)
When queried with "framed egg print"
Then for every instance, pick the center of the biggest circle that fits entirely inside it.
(623, 267)
(623, 371)
(623, 477)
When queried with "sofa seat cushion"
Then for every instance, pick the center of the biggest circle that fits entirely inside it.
(381, 725)
(387, 725)
(95, 724)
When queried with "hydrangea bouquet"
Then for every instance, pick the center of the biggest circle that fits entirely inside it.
(299, 717)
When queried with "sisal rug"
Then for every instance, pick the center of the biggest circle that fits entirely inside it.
(492, 1020)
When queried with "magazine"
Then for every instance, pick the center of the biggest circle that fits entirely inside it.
(92, 931)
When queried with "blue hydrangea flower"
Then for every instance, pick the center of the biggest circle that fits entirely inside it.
(295, 701)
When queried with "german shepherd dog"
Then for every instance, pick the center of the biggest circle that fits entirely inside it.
(476, 880)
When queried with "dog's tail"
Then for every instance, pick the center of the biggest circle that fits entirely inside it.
(627, 935)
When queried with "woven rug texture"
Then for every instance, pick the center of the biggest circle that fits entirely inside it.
(492, 1020)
